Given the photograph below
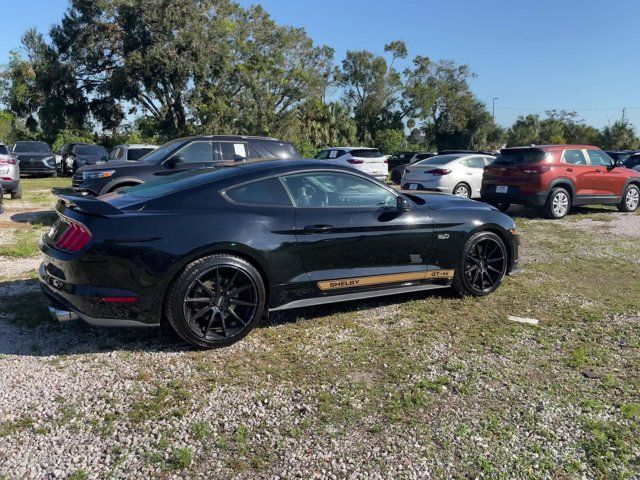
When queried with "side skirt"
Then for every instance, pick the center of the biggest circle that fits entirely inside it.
(346, 297)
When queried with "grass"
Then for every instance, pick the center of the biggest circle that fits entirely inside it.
(484, 396)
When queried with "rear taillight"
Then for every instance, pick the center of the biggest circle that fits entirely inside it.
(535, 169)
(386, 160)
(75, 238)
(354, 161)
(8, 160)
(438, 171)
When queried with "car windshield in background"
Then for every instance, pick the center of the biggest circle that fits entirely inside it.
(438, 160)
(4, 150)
(32, 147)
(138, 153)
(160, 153)
(366, 153)
(519, 156)
(91, 150)
(180, 181)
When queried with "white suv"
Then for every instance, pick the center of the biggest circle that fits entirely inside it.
(367, 160)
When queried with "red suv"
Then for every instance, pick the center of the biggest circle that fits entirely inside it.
(557, 177)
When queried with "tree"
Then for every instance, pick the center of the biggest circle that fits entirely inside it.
(390, 141)
(619, 136)
(371, 88)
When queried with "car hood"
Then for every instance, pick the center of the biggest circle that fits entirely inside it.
(109, 165)
(92, 158)
(444, 201)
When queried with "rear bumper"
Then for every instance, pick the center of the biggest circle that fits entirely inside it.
(9, 185)
(87, 303)
(426, 187)
(514, 195)
(36, 170)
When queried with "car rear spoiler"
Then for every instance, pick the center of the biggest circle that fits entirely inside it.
(76, 201)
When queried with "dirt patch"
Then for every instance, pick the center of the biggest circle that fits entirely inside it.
(16, 267)
(625, 224)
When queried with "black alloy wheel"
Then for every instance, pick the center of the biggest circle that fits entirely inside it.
(216, 301)
(482, 266)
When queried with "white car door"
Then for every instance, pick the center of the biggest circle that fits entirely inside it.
(475, 169)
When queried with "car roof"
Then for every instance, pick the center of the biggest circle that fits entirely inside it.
(230, 137)
(561, 146)
(137, 145)
(350, 148)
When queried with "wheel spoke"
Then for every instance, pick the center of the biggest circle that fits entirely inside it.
(489, 267)
(199, 313)
(237, 301)
(238, 290)
(206, 330)
(237, 317)
(206, 289)
(233, 279)
(224, 326)
(197, 299)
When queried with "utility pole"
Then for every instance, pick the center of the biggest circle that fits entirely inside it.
(624, 110)
(493, 108)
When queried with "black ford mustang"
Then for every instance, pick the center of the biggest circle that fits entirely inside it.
(214, 250)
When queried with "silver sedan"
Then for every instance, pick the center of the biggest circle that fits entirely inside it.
(9, 173)
(458, 174)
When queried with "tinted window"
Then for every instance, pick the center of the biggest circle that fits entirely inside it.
(333, 189)
(271, 149)
(422, 156)
(322, 155)
(574, 157)
(91, 150)
(632, 161)
(4, 150)
(232, 151)
(115, 153)
(37, 147)
(196, 152)
(263, 192)
(161, 153)
(365, 153)
(136, 154)
(438, 160)
(598, 157)
(519, 156)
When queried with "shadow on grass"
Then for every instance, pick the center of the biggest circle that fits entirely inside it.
(38, 218)
(27, 329)
(519, 211)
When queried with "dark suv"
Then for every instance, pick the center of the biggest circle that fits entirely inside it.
(177, 156)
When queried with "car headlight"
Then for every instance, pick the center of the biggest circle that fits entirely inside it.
(47, 161)
(97, 174)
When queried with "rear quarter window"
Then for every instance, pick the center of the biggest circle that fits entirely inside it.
(366, 153)
(519, 156)
(268, 192)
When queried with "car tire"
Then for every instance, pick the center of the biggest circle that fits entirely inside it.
(481, 266)
(462, 190)
(630, 199)
(216, 301)
(396, 177)
(17, 193)
(558, 204)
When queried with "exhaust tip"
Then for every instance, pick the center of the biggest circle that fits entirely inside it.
(61, 315)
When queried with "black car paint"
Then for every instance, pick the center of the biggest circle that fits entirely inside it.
(140, 249)
(33, 162)
(133, 173)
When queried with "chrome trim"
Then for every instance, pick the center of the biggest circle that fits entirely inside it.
(62, 315)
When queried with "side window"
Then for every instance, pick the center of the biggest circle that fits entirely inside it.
(335, 189)
(476, 162)
(196, 152)
(269, 192)
(574, 157)
(233, 151)
(113, 154)
(598, 157)
(322, 155)
(488, 160)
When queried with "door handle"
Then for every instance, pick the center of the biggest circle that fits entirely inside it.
(569, 169)
(469, 173)
(598, 170)
(317, 228)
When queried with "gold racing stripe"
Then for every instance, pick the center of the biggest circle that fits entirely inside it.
(382, 279)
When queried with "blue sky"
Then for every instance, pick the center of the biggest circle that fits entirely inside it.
(579, 55)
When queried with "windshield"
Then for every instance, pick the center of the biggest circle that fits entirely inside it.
(138, 153)
(36, 147)
(438, 160)
(91, 150)
(161, 153)
(518, 156)
(4, 150)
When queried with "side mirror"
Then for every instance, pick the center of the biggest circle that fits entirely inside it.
(401, 204)
(174, 161)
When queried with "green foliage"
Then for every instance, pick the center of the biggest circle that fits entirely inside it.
(67, 136)
(620, 136)
(390, 141)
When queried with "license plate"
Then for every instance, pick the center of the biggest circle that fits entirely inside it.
(502, 189)
(413, 186)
